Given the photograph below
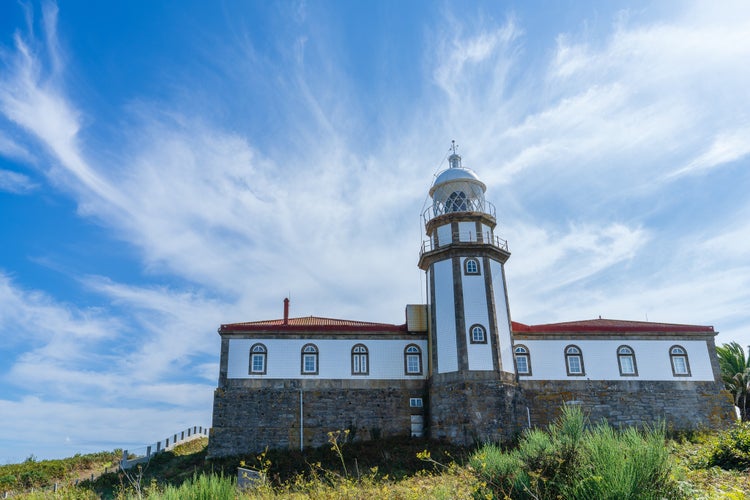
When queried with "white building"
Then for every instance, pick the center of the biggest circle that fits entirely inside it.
(458, 369)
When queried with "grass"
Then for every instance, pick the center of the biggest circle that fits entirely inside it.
(569, 459)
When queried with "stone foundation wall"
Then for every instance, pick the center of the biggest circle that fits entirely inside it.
(683, 405)
(252, 415)
(474, 408)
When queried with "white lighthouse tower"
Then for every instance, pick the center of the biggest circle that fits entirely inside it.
(472, 382)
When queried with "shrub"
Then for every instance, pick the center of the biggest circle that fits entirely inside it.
(729, 450)
(567, 460)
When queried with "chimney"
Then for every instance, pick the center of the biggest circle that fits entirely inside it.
(286, 311)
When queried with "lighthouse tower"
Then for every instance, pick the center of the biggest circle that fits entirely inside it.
(472, 378)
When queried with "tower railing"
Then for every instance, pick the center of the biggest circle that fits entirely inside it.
(466, 237)
(437, 209)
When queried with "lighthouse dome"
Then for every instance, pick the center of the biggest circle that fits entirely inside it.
(457, 189)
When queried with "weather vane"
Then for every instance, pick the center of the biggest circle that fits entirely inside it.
(454, 146)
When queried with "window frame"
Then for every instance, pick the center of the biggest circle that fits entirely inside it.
(416, 403)
(683, 355)
(314, 353)
(477, 271)
(622, 355)
(409, 353)
(570, 355)
(457, 201)
(360, 353)
(477, 326)
(526, 354)
(262, 354)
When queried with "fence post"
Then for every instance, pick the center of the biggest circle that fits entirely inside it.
(175, 439)
(182, 436)
(188, 431)
(166, 445)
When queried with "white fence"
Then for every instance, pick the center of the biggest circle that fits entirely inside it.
(145, 453)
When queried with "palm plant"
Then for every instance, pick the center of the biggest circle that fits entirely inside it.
(735, 372)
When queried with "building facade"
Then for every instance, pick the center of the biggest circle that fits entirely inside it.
(458, 369)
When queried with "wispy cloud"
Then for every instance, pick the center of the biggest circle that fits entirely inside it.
(13, 182)
(588, 150)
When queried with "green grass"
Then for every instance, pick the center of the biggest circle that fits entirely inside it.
(33, 473)
(569, 459)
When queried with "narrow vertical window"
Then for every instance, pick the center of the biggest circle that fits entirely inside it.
(413, 360)
(574, 361)
(626, 361)
(471, 266)
(258, 359)
(523, 361)
(360, 361)
(478, 335)
(310, 359)
(680, 364)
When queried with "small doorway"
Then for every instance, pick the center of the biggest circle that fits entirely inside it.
(417, 425)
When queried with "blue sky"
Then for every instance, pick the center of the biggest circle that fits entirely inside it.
(169, 166)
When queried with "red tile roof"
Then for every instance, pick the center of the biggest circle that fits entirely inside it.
(610, 326)
(312, 324)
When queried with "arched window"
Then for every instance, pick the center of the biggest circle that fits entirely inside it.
(626, 361)
(310, 359)
(471, 266)
(413, 360)
(523, 360)
(574, 361)
(360, 360)
(680, 364)
(478, 334)
(258, 354)
(456, 202)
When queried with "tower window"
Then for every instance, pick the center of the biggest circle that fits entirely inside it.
(456, 202)
(360, 360)
(471, 266)
(478, 334)
(626, 361)
(310, 359)
(258, 354)
(413, 360)
(679, 358)
(574, 361)
(523, 360)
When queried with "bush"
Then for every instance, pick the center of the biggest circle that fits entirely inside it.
(729, 450)
(567, 460)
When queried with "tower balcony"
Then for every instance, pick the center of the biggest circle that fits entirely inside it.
(465, 205)
(468, 237)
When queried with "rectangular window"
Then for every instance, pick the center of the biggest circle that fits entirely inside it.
(415, 402)
(680, 367)
(522, 364)
(412, 363)
(574, 364)
(626, 365)
(258, 363)
(309, 363)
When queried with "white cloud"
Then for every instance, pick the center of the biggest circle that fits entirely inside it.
(13, 182)
(725, 148)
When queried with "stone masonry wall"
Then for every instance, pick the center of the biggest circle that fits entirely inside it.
(683, 405)
(248, 418)
(474, 409)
